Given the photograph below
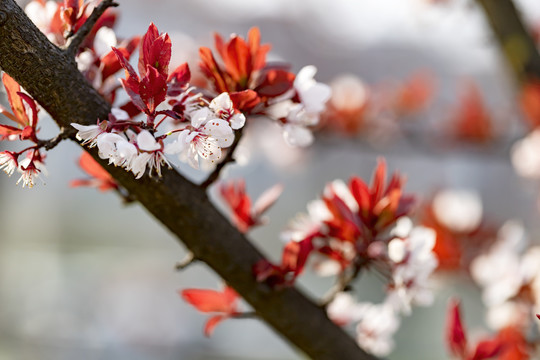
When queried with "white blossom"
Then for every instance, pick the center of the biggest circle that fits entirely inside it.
(203, 140)
(30, 171)
(298, 117)
(104, 40)
(8, 163)
(502, 270)
(459, 210)
(525, 155)
(344, 309)
(376, 329)
(312, 93)
(222, 106)
(88, 133)
(413, 263)
(41, 15)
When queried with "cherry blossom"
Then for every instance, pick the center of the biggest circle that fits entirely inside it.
(460, 210)
(222, 106)
(46, 16)
(204, 138)
(413, 263)
(8, 162)
(344, 310)
(376, 329)
(501, 271)
(525, 155)
(30, 169)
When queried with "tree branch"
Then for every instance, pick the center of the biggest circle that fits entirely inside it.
(184, 263)
(515, 41)
(77, 39)
(48, 74)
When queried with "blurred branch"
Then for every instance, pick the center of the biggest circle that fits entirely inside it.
(514, 39)
(77, 39)
(52, 78)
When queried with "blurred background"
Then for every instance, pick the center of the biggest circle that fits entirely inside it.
(83, 276)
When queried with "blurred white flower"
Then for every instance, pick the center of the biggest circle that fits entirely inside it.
(376, 329)
(502, 271)
(458, 210)
(525, 155)
(413, 263)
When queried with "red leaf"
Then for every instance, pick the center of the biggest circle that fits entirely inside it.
(27, 133)
(234, 194)
(212, 323)
(134, 96)
(275, 82)
(487, 349)
(378, 182)
(295, 255)
(211, 69)
(273, 275)
(145, 46)
(6, 131)
(220, 45)
(245, 101)
(178, 79)
(155, 51)
(206, 300)
(131, 109)
(472, 120)
(132, 78)
(153, 88)
(258, 51)
(33, 107)
(100, 177)
(238, 61)
(530, 102)
(456, 339)
(360, 191)
(15, 101)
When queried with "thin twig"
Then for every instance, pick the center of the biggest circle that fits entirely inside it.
(76, 40)
(245, 315)
(188, 260)
(344, 281)
(228, 158)
(51, 143)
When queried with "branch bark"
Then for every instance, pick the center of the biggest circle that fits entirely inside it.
(515, 41)
(51, 77)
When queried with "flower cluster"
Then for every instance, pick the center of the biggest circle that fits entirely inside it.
(24, 116)
(295, 102)
(196, 124)
(507, 273)
(352, 228)
(348, 224)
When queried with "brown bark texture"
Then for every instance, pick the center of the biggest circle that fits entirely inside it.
(51, 77)
(515, 41)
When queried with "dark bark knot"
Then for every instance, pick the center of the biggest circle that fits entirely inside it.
(3, 18)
